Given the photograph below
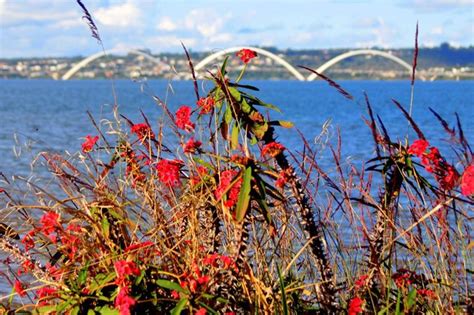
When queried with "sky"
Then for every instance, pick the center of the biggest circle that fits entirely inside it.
(41, 28)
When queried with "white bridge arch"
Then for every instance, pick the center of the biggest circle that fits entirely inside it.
(101, 54)
(353, 53)
(260, 51)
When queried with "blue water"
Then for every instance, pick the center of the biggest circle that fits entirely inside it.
(47, 115)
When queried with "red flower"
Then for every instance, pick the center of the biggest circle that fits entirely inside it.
(246, 55)
(272, 149)
(201, 311)
(89, 143)
(49, 221)
(467, 181)
(183, 116)
(355, 306)
(447, 177)
(403, 278)
(226, 178)
(206, 104)
(362, 281)
(429, 294)
(142, 131)
(123, 269)
(283, 177)
(191, 146)
(203, 279)
(19, 288)
(26, 267)
(28, 240)
(123, 302)
(418, 147)
(168, 172)
(45, 292)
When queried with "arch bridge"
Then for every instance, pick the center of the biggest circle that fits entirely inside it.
(203, 63)
(77, 67)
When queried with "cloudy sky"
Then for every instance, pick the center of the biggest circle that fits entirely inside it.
(55, 28)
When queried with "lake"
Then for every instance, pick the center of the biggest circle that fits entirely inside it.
(39, 115)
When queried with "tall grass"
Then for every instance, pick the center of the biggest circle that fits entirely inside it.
(204, 211)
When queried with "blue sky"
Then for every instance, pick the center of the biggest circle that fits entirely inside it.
(55, 28)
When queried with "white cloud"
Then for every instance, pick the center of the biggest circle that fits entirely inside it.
(206, 22)
(120, 15)
(438, 30)
(221, 38)
(162, 43)
(166, 24)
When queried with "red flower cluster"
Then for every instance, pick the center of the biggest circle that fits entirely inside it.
(201, 311)
(467, 181)
(168, 172)
(216, 260)
(143, 131)
(123, 302)
(182, 120)
(403, 278)
(89, 143)
(355, 306)
(226, 178)
(272, 149)
(283, 177)
(362, 282)
(19, 288)
(246, 55)
(123, 269)
(445, 174)
(192, 145)
(46, 292)
(201, 172)
(49, 223)
(206, 104)
(428, 294)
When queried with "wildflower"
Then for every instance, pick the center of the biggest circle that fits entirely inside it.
(201, 172)
(272, 149)
(191, 146)
(123, 302)
(246, 55)
(49, 221)
(355, 306)
(403, 278)
(206, 104)
(168, 172)
(45, 292)
(429, 294)
(25, 267)
(183, 118)
(362, 281)
(19, 288)
(448, 177)
(467, 181)
(283, 177)
(123, 269)
(193, 285)
(418, 147)
(203, 279)
(89, 143)
(142, 131)
(28, 241)
(211, 260)
(201, 311)
(226, 178)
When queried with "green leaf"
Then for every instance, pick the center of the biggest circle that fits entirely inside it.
(167, 284)
(285, 124)
(253, 140)
(244, 106)
(105, 227)
(179, 307)
(398, 305)
(234, 140)
(411, 298)
(244, 195)
(256, 101)
(259, 130)
(224, 65)
(228, 115)
(107, 310)
(284, 304)
(82, 276)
